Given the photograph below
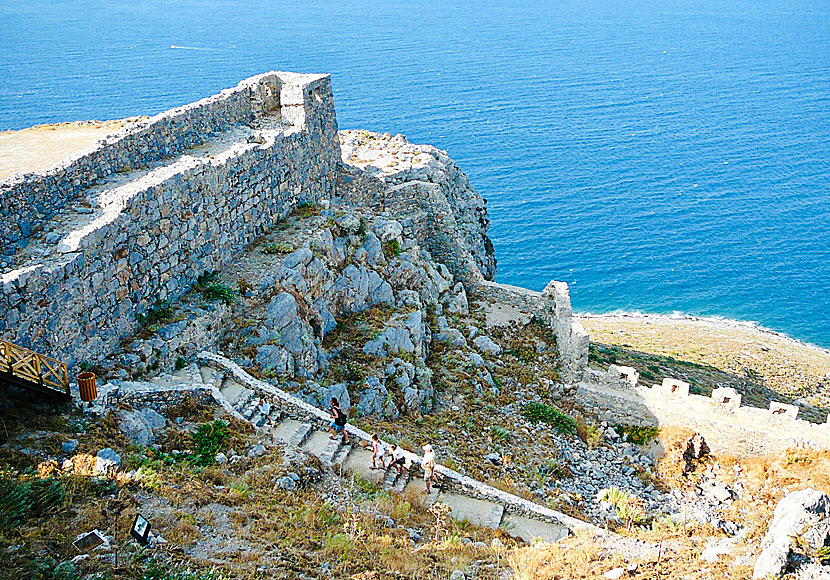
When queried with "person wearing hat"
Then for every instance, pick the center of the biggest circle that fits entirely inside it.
(428, 463)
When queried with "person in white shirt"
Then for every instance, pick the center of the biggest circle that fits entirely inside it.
(428, 463)
(398, 459)
(378, 451)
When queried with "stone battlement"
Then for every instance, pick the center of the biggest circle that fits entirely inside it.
(95, 241)
(727, 426)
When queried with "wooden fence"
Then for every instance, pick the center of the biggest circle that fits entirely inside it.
(33, 368)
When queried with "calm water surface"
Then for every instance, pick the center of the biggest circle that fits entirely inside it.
(663, 156)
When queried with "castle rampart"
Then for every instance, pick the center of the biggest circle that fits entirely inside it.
(728, 427)
(150, 237)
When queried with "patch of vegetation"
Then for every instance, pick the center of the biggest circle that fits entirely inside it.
(391, 249)
(210, 286)
(160, 313)
(306, 209)
(277, 248)
(629, 508)
(499, 433)
(50, 569)
(635, 434)
(22, 497)
(541, 413)
(159, 571)
(181, 362)
(209, 439)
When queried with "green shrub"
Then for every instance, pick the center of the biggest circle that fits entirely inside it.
(50, 569)
(159, 313)
(15, 502)
(391, 249)
(180, 363)
(306, 209)
(209, 439)
(499, 433)
(47, 493)
(209, 285)
(541, 413)
(635, 434)
(277, 248)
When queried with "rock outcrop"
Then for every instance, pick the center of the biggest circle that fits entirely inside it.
(803, 515)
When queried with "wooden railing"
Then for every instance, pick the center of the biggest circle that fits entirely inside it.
(34, 368)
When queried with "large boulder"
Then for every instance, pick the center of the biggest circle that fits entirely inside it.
(802, 514)
(375, 400)
(286, 342)
(107, 462)
(141, 425)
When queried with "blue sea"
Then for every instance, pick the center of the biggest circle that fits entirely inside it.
(659, 155)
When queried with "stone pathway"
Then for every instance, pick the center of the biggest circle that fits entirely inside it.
(305, 428)
(290, 421)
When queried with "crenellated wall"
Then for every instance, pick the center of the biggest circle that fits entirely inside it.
(153, 234)
(728, 427)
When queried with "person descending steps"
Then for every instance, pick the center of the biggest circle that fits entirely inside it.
(338, 421)
(378, 451)
(398, 459)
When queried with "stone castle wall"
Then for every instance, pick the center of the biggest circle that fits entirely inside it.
(552, 306)
(728, 427)
(29, 199)
(423, 185)
(152, 237)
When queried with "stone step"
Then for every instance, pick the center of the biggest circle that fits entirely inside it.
(283, 430)
(529, 529)
(475, 511)
(493, 520)
(332, 448)
(300, 435)
(342, 455)
(235, 393)
(390, 478)
(211, 376)
(402, 482)
(317, 442)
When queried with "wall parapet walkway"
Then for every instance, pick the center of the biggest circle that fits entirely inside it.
(728, 426)
(150, 238)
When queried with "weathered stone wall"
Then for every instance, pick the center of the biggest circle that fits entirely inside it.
(27, 200)
(423, 187)
(552, 306)
(154, 236)
(728, 427)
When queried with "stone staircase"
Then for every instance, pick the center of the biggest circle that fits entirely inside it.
(288, 420)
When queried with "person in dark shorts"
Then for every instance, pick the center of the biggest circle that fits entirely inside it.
(338, 421)
(398, 459)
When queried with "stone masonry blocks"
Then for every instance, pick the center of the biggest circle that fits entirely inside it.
(675, 387)
(726, 397)
(783, 411)
(628, 375)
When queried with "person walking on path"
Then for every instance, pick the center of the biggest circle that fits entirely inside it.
(398, 459)
(338, 421)
(378, 452)
(428, 463)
